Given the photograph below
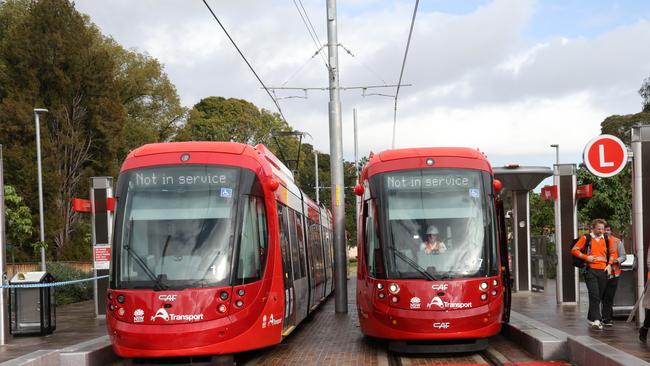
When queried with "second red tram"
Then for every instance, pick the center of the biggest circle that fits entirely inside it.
(432, 272)
(215, 251)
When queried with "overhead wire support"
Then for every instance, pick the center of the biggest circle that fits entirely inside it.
(401, 73)
(356, 87)
(277, 105)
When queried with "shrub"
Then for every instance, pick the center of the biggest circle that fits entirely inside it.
(70, 293)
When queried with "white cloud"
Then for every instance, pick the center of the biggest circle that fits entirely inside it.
(477, 81)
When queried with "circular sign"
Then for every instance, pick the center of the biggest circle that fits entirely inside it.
(605, 156)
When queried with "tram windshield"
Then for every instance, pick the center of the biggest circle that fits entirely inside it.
(440, 223)
(176, 225)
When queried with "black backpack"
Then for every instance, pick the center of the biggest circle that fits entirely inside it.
(580, 263)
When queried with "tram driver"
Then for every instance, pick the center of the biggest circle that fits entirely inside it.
(432, 243)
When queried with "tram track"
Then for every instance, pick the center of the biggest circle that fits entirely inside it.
(489, 357)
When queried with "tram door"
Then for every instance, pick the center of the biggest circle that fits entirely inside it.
(299, 259)
(289, 320)
(505, 268)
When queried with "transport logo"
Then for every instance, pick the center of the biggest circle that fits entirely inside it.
(441, 325)
(415, 302)
(167, 297)
(164, 315)
(270, 321)
(440, 286)
(437, 302)
(138, 316)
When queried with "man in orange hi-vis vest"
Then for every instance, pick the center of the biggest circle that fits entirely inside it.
(612, 282)
(598, 256)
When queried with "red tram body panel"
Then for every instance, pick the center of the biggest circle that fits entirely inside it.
(215, 251)
(431, 247)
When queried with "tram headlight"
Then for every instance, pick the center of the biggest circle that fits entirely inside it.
(239, 303)
(381, 295)
(483, 286)
(241, 292)
(393, 288)
(120, 299)
(380, 286)
(394, 299)
(223, 295)
(495, 283)
(121, 311)
(222, 308)
(484, 296)
(494, 292)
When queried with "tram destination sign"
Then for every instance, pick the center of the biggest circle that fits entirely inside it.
(605, 156)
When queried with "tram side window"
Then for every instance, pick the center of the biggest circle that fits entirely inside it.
(293, 244)
(283, 221)
(301, 243)
(253, 241)
(371, 242)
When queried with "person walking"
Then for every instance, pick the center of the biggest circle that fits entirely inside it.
(598, 258)
(612, 281)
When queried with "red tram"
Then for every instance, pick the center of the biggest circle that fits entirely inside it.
(215, 251)
(432, 271)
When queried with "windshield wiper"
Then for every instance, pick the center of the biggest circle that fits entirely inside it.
(410, 262)
(158, 285)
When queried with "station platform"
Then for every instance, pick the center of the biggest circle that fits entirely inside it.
(75, 323)
(327, 338)
(572, 319)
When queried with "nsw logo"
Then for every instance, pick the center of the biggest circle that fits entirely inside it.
(415, 302)
(138, 316)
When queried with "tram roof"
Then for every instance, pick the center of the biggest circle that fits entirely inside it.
(421, 152)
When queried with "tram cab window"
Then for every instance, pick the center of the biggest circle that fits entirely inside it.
(371, 242)
(438, 221)
(252, 246)
(176, 226)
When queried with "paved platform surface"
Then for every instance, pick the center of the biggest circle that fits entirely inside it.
(572, 319)
(75, 323)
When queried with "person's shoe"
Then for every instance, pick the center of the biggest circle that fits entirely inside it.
(608, 323)
(596, 324)
(643, 334)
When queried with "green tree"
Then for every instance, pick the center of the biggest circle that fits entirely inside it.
(221, 119)
(611, 200)
(51, 60)
(19, 222)
(151, 102)
(542, 215)
(644, 92)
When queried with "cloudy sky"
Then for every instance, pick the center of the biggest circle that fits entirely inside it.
(509, 77)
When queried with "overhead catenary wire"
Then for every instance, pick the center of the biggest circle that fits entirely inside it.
(401, 73)
(310, 29)
(277, 105)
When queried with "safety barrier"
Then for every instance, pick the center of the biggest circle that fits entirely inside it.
(54, 284)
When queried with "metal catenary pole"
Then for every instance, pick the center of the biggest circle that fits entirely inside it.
(316, 174)
(336, 164)
(40, 182)
(356, 160)
(4, 318)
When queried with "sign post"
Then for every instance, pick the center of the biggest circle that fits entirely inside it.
(101, 193)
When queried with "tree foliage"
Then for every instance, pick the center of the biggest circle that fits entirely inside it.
(542, 215)
(644, 92)
(102, 102)
(19, 220)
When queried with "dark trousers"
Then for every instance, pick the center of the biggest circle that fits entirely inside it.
(596, 281)
(646, 322)
(608, 299)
